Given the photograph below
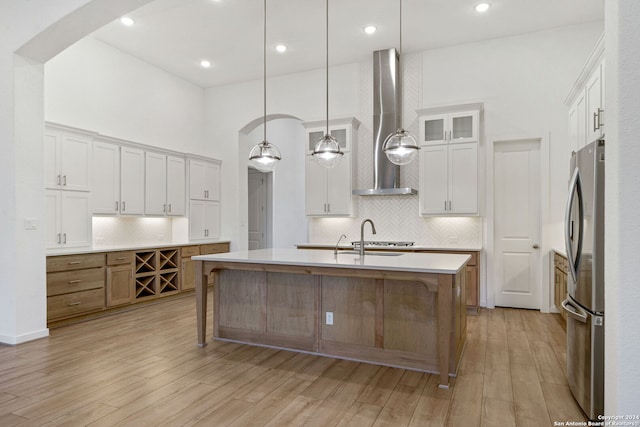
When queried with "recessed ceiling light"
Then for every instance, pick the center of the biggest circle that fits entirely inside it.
(281, 48)
(205, 64)
(482, 7)
(370, 29)
(127, 21)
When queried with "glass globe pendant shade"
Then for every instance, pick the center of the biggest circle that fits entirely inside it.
(400, 147)
(264, 156)
(327, 151)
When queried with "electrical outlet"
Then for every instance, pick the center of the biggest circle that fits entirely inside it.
(329, 318)
(30, 224)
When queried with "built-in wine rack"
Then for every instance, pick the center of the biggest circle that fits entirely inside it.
(156, 273)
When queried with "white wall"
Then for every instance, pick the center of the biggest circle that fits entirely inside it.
(622, 228)
(93, 86)
(290, 223)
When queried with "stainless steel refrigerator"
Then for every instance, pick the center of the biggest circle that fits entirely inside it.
(584, 304)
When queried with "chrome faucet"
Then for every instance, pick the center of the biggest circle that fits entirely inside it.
(373, 229)
(335, 251)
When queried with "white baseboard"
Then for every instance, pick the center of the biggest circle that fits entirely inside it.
(15, 340)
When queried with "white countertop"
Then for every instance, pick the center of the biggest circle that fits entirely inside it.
(126, 247)
(408, 261)
(393, 248)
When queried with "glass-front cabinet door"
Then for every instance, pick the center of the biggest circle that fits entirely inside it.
(463, 127)
(434, 129)
(449, 128)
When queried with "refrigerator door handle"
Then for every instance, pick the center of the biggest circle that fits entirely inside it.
(575, 187)
(574, 311)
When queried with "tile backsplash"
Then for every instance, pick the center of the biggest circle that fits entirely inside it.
(114, 231)
(396, 218)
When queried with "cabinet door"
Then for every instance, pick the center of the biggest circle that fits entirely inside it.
(197, 171)
(52, 176)
(315, 194)
(433, 180)
(212, 181)
(187, 274)
(463, 127)
(75, 218)
(463, 178)
(472, 286)
(131, 181)
(212, 220)
(120, 285)
(75, 161)
(53, 236)
(106, 182)
(434, 129)
(339, 187)
(594, 105)
(573, 128)
(176, 180)
(155, 184)
(196, 220)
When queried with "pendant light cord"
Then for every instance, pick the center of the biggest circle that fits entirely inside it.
(264, 73)
(327, 60)
(400, 77)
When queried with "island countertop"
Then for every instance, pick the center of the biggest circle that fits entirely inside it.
(390, 261)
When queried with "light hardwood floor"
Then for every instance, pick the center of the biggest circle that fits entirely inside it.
(143, 368)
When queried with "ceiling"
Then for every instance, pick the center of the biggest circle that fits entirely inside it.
(175, 35)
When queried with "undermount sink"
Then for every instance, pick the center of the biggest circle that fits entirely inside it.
(367, 253)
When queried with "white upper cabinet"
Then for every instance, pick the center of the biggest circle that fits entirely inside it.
(67, 160)
(457, 127)
(176, 186)
(586, 116)
(204, 180)
(106, 174)
(448, 165)
(328, 192)
(155, 184)
(164, 185)
(131, 181)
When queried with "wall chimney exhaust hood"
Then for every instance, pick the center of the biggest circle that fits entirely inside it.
(387, 104)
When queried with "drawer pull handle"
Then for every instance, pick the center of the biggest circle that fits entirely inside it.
(71, 282)
(121, 258)
(74, 262)
(74, 303)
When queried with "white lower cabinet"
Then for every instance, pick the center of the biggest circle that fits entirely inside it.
(328, 191)
(204, 220)
(68, 219)
(449, 179)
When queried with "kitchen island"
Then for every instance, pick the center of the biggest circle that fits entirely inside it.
(396, 309)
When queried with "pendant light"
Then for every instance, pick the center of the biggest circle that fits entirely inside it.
(400, 147)
(264, 156)
(327, 150)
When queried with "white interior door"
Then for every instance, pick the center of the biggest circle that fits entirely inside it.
(517, 223)
(257, 215)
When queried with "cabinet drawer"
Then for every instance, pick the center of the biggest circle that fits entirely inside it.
(74, 262)
(214, 248)
(78, 302)
(189, 251)
(117, 258)
(72, 281)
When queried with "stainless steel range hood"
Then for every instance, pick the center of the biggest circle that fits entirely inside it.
(387, 111)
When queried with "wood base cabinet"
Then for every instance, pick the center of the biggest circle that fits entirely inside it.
(119, 278)
(75, 285)
(86, 285)
(560, 266)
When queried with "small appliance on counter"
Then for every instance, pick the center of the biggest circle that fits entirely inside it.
(584, 304)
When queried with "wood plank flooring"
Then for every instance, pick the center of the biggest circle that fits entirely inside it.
(143, 368)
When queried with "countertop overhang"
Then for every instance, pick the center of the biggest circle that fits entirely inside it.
(409, 262)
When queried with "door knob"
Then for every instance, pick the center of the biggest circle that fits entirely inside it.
(535, 246)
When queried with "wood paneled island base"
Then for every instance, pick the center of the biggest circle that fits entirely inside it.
(406, 314)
